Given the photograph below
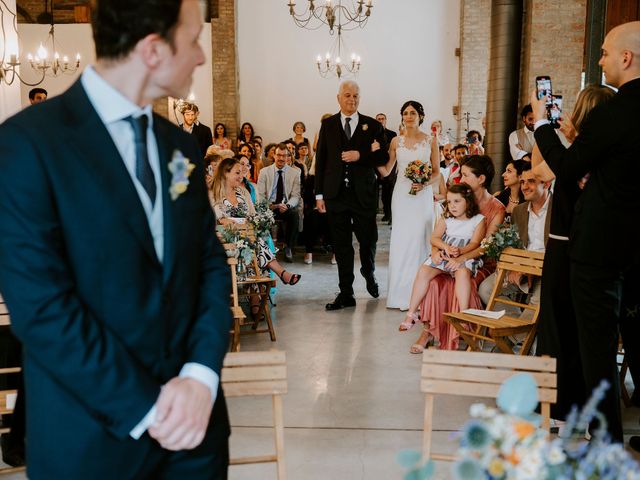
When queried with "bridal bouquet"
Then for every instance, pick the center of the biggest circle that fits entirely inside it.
(262, 220)
(418, 172)
(506, 236)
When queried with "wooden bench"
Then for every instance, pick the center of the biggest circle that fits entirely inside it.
(258, 374)
(475, 329)
(479, 374)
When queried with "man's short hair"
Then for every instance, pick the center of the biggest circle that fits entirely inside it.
(459, 146)
(189, 107)
(118, 25)
(379, 114)
(526, 110)
(35, 91)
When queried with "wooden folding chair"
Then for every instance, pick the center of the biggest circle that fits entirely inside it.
(236, 310)
(5, 322)
(479, 374)
(258, 374)
(474, 328)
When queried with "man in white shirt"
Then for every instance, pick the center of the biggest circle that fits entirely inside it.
(279, 185)
(124, 334)
(521, 141)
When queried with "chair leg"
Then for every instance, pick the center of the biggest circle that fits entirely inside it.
(278, 422)
(427, 428)
(235, 342)
(528, 341)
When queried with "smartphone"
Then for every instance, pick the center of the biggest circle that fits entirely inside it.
(210, 169)
(554, 112)
(434, 129)
(543, 88)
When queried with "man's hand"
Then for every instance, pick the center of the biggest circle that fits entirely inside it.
(183, 411)
(375, 146)
(539, 107)
(350, 156)
(322, 208)
(282, 207)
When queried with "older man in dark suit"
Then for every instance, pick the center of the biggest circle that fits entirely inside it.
(606, 212)
(116, 284)
(346, 188)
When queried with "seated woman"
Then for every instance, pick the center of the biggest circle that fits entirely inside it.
(220, 137)
(230, 199)
(511, 196)
(255, 164)
(440, 297)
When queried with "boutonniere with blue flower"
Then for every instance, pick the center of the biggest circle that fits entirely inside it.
(180, 168)
(365, 127)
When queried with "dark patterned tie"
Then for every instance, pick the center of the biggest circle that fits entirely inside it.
(347, 127)
(144, 174)
(279, 188)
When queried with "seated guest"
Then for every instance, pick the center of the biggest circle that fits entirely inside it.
(279, 184)
(303, 158)
(269, 155)
(298, 129)
(291, 146)
(257, 146)
(255, 165)
(200, 131)
(460, 230)
(220, 137)
(511, 196)
(532, 221)
(521, 141)
(460, 152)
(231, 201)
(37, 95)
(474, 140)
(477, 172)
(246, 177)
(211, 161)
(246, 134)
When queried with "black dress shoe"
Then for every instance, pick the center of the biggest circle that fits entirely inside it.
(372, 284)
(634, 443)
(341, 301)
(288, 255)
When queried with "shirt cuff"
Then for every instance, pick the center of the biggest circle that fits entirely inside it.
(542, 121)
(192, 370)
(320, 197)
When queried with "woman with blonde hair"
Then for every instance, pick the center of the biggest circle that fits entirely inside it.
(557, 329)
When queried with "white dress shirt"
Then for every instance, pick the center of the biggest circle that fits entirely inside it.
(516, 152)
(535, 227)
(113, 108)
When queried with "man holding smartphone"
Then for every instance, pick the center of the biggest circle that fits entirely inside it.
(606, 212)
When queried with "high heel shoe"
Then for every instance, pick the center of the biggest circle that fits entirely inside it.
(410, 320)
(295, 278)
(418, 348)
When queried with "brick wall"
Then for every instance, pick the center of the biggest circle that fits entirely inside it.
(63, 10)
(553, 45)
(225, 67)
(475, 23)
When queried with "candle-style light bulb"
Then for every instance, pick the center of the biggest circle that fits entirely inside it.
(42, 52)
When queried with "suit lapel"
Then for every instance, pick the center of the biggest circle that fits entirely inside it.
(97, 153)
(164, 148)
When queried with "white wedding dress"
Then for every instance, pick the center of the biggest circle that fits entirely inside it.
(412, 216)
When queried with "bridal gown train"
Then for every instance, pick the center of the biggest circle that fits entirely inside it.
(412, 215)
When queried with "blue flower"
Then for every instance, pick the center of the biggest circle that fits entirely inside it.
(467, 469)
(475, 435)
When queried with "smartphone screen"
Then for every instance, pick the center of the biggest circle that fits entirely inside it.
(554, 113)
(543, 88)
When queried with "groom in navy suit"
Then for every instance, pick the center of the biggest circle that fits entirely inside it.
(117, 286)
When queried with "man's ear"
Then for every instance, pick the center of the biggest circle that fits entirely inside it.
(627, 58)
(152, 50)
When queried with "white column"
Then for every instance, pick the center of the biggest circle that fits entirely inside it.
(9, 94)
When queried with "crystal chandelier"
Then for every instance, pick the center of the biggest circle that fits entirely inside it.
(333, 14)
(332, 62)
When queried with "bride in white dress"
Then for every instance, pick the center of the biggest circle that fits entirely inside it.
(412, 214)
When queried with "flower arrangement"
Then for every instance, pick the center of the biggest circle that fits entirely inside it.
(418, 172)
(262, 220)
(244, 248)
(507, 443)
(506, 236)
(238, 211)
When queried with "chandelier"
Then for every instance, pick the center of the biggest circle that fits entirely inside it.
(9, 61)
(332, 62)
(57, 65)
(333, 14)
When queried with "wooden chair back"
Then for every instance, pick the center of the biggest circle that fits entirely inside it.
(257, 374)
(474, 329)
(479, 374)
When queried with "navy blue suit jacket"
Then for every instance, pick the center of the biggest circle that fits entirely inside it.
(103, 323)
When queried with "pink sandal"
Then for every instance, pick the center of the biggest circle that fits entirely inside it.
(410, 320)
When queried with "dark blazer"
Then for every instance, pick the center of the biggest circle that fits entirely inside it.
(332, 141)
(520, 218)
(607, 147)
(203, 135)
(103, 323)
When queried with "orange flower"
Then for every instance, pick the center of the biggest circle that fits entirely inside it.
(524, 429)
(512, 458)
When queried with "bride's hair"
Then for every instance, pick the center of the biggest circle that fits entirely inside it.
(417, 105)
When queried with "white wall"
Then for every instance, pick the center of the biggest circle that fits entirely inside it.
(77, 38)
(407, 51)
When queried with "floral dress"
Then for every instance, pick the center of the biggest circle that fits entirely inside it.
(226, 209)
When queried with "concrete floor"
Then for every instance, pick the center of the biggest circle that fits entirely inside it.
(354, 399)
